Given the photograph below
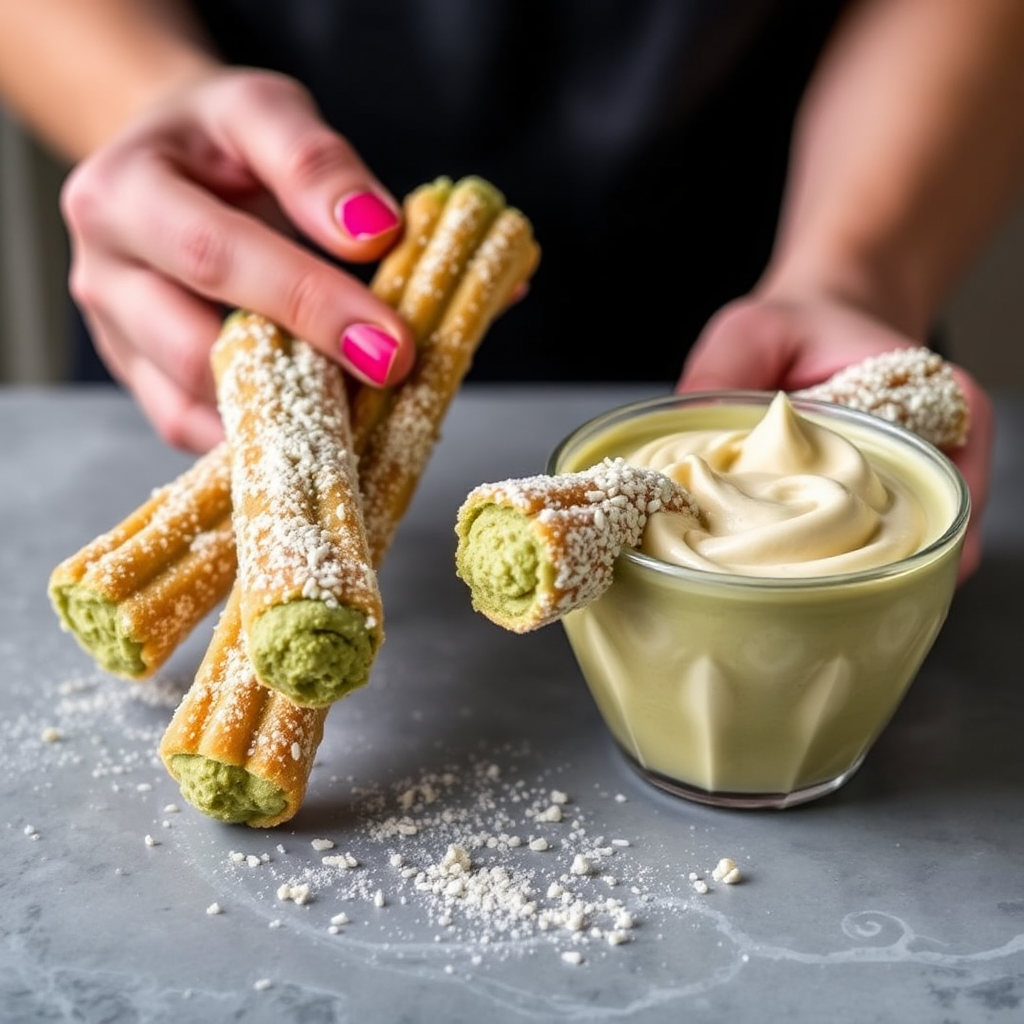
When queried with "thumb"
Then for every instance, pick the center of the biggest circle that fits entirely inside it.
(743, 346)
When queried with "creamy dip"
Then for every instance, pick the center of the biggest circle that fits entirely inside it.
(764, 681)
(786, 498)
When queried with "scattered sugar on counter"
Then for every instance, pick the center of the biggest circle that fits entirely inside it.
(497, 863)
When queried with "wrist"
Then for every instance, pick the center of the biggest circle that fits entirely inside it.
(877, 284)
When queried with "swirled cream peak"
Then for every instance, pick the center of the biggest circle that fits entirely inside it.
(786, 498)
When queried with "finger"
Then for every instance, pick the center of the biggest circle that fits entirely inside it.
(274, 127)
(182, 420)
(974, 462)
(230, 257)
(139, 312)
(743, 346)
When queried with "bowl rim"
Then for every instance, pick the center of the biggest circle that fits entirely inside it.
(952, 535)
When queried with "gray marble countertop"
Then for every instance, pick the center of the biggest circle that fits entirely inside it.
(899, 898)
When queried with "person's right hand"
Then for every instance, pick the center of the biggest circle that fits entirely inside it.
(199, 206)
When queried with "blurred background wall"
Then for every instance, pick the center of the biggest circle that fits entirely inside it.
(985, 318)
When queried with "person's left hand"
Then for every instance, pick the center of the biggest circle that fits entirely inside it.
(771, 344)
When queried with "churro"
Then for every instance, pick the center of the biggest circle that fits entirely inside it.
(130, 596)
(457, 268)
(310, 606)
(533, 549)
(239, 751)
(912, 387)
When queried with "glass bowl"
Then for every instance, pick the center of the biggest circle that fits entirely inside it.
(750, 691)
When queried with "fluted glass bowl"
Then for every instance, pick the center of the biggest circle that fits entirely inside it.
(753, 692)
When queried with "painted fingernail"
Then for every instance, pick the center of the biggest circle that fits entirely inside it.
(364, 215)
(369, 350)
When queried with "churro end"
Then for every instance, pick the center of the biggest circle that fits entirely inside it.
(503, 562)
(226, 792)
(312, 652)
(94, 623)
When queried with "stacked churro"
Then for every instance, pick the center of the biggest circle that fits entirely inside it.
(241, 751)
(534, 548)
(133, 594)
(311, 611)
(463, 257)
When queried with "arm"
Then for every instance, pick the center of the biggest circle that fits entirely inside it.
(113, 57)
(192, 186)
(907, 150)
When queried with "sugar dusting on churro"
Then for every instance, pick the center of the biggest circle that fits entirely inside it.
(296, 506)
(533, 549)
(488, 265)
(913, 387)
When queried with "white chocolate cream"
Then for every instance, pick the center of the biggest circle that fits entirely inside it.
(832, 542)
(786, 498)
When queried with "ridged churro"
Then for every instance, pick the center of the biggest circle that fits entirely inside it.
(239, 751)
(310, 606)
(535, 548)
(448, 328)
(912, 387)
(457, 268)
(130, 596)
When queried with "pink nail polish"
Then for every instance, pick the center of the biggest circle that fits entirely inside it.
(369, 350)
(364, 215)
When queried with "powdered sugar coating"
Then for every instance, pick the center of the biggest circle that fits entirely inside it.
(165, 566)
(583, 521)
(228, 717)
(401, 443)
(913, 387)
(298, 525)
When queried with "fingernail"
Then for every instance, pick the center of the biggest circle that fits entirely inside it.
(364, 215)
(369, 350)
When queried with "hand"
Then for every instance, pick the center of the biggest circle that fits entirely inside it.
(199, 206)
(768, 344)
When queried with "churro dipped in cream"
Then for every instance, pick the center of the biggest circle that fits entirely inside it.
(787, 498)
(310, 605)
(130, 596)
(532, 549)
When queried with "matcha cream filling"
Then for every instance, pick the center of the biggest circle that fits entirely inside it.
(311, 652)
(225, 791)
(503, 562)
(94, 622)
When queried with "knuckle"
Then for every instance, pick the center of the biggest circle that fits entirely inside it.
(83, 287)
(313, 155)
(203, 256)
(83, 198)
(305, 301)
(192, 370)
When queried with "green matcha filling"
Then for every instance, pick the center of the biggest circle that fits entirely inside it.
(225, 791)
(93, 622)
(502, 562)
(311, 652)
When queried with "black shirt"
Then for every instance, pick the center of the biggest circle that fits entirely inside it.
(645, 139)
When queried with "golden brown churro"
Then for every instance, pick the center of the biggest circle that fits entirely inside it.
(535, 548)
(311, 610)
(913, 387)
(239, 751)
(133, 594)
(450, 285)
